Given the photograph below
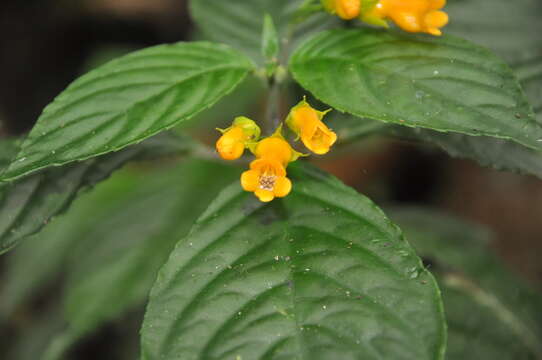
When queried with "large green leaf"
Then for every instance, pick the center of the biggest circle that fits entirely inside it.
(497, 153)
(444, 84)
(321, 274)
(128, 100)
(240, 22)
(510, 28)
(28, 204)
(491, 314)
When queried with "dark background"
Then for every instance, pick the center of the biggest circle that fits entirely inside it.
(45, 44)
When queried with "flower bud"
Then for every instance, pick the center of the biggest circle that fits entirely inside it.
(236, 138)
(307, 123)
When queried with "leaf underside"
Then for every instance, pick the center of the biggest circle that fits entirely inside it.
(28, 204)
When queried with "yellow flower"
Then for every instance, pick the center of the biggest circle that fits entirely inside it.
(307, 123)
(236, 138)
(276, 148)
(267, 179)
(267, 174)
(345, 9)
(413, 15)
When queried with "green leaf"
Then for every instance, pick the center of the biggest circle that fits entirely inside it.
(114, 268)
(128, 100)
(33, 264)
(111, 246)
(270, 44)
(491, 314)
(496, 153)
(444, 84)
(490, 152)
(321, 274)
(530, 76)
(28, 204)
(510, 28)
(239, 23)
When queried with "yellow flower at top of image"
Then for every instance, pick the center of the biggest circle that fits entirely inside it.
(345, 9)
(241, 134)
(412, 15)
(307, 123)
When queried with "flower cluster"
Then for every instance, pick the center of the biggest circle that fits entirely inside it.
(266, 177)
(410, 15)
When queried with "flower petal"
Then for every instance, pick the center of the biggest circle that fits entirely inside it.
(283, 186)
(249, 180)
(264, 195)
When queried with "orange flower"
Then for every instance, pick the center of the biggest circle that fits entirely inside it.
(345, 9)
(237, 137)
(307, 123)
(413, 15)
(276, 148)
(267, 179)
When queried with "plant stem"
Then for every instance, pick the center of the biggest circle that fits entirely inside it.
(273, 106)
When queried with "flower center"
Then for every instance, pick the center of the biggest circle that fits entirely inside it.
(267, 182)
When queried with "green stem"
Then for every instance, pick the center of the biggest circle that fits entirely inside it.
(273, 106)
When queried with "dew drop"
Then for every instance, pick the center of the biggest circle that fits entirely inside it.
(420, 94)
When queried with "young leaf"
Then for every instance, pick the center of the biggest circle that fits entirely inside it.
(321, 274)
(491, 314)
(444, 84)
(239, 23)
(28, 204)
(270, 40)
(128, 100)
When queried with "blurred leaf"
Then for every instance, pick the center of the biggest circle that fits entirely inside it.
(111, 244)
(239, 23)
(510, 28)
(491, 314)
(36, 337)
(351, 128)
(321, 274)
(495, 153)
(28, 204)
(445, 84)
(32, 265)
(530, 76)
(116, 265)
(128, 100)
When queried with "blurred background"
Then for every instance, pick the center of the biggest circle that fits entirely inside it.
(46, 44)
